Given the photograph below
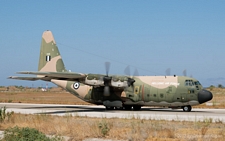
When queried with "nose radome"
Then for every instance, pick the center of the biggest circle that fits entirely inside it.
(204, 96)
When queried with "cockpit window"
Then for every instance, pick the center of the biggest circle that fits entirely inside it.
(189, 83)
(197, 83)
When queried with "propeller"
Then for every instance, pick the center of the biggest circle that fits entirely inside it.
(107, 80)
(185, 72)
(107, 67)
(168, 72)
(136, 73)
(130, 80)
(127, 70)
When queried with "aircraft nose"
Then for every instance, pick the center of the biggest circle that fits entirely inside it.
(204, 96)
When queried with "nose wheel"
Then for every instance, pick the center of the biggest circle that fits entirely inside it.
(187, 108)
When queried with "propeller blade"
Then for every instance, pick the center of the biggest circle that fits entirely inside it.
(127, 70)
(185, 72)
(130, 80)
(107, 67)
(107, 80)
(136, 73)
(168, 72)
(106, 91)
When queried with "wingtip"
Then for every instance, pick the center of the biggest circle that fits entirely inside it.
(23, 72)
(11, 77)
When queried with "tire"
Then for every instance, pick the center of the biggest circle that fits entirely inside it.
(127, 107)
(136, 107)
(109, 108)
(187, 108)
(119, 108)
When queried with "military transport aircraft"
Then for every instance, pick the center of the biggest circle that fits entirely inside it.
(114, 91)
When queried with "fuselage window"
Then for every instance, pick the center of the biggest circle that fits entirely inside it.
(186, 82)
(197, 84)
(191, 91)
(189, 83)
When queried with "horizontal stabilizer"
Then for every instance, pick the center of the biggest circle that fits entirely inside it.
(25, 78)
(56, 75)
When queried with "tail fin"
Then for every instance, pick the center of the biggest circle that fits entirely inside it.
(50, 59)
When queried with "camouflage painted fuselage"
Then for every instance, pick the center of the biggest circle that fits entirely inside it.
(123, 91)
(169, 91)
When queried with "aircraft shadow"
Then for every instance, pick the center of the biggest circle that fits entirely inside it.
(67, 109)
(80, 109)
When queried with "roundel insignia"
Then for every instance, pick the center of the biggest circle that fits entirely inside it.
(76, 85)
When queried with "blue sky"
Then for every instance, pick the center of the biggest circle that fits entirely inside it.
(148, 35)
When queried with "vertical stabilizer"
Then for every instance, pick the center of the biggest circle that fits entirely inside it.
(50, 59)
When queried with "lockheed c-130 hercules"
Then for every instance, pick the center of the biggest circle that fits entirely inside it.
(114, 91)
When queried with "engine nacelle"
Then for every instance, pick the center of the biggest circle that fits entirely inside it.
(119, 81)
(100, 80)
(94, 80)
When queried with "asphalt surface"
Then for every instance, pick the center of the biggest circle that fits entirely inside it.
(216, 115)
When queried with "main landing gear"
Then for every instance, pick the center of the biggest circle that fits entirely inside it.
(125, 107)
(186, 108)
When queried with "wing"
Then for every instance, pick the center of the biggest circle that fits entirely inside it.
(88, 79)
(47, 76)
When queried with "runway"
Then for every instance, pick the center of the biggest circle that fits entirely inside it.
(216, 115)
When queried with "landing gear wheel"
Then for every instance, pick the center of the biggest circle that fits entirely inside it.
(118, 108)
(187, 108)
(109, 108)
(136, 107)
(127, 107)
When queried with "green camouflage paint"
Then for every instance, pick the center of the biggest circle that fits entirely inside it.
(169, 91)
